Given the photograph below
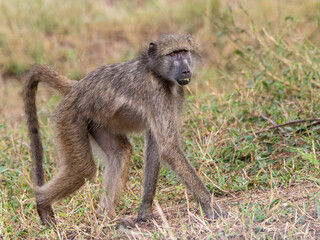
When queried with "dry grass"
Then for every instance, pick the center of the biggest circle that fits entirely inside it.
(260, 66)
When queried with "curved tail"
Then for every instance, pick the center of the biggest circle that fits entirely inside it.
(39, 73)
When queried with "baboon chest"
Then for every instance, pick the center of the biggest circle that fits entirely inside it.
(125, 120)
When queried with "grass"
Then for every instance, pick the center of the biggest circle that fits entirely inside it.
(260, 67)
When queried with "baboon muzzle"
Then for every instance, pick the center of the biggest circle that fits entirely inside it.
(184, 81)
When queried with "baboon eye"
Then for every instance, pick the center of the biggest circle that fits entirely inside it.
(183, 52)
(172, 54)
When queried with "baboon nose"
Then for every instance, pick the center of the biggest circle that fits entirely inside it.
(186, 73)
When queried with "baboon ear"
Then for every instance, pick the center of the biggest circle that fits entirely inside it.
(152, 50)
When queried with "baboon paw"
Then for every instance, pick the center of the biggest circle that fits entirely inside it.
(220, 213)
(127, 223)
(144, 214)
(46, 215)
(103, 213)
(215, 212)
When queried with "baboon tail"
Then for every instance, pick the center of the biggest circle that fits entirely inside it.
(39, 73)
(43, 73)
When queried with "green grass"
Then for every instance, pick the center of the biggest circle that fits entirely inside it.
(258, 69)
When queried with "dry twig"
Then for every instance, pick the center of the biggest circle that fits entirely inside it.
(315, 120)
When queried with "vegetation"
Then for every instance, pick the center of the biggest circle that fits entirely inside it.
(260, 68)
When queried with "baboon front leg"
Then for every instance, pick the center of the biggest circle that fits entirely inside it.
(151, 172)
(115, 152)
(176, 159)
(76, 166)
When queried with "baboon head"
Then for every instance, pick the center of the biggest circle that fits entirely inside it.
(172, 57)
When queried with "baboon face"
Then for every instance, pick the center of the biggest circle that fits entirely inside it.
(171, 57)
(179, 70)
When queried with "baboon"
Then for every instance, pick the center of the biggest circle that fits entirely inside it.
(144, 94)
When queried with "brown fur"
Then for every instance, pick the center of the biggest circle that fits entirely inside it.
(110, 102)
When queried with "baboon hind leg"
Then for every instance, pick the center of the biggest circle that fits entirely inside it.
(76, 165)
(115, 152)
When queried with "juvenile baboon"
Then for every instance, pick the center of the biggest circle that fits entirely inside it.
(144, 94)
